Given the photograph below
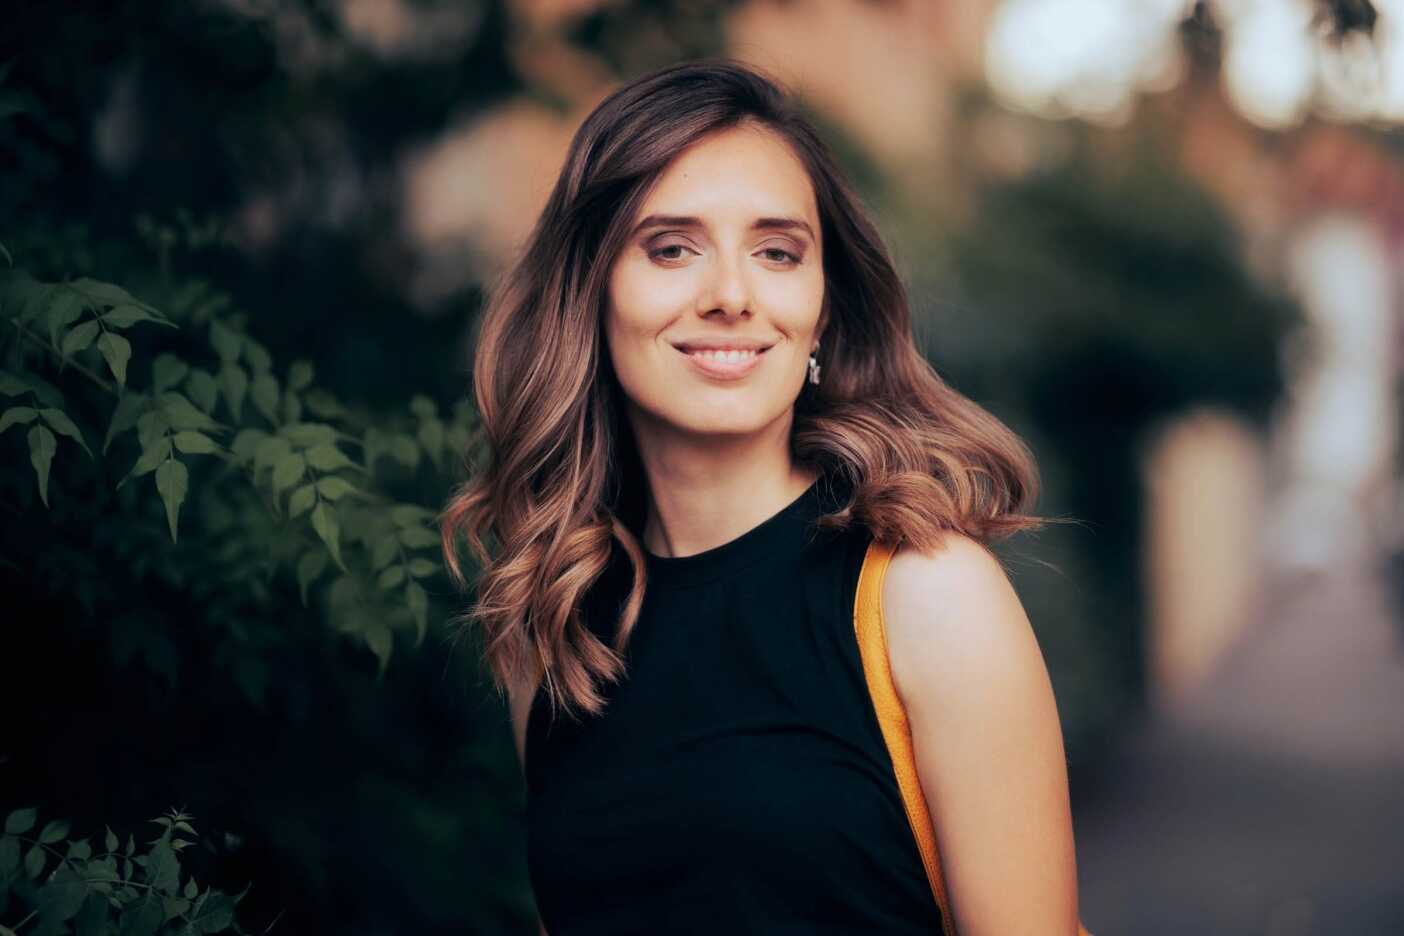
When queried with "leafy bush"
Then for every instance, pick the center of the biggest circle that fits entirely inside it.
(118, 890)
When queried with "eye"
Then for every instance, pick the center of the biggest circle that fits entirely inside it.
(667, 252)
(785, 256)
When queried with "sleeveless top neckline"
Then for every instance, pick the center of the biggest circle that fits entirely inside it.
(737, 780)
(756, 543)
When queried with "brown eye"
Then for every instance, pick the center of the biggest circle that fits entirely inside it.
(784, 255)
(664, 254)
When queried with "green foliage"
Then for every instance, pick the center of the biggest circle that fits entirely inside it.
(313, 463)
(49, 887)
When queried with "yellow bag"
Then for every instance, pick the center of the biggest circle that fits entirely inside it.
(872, 646)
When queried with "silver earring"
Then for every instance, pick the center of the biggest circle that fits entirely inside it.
(814, 368)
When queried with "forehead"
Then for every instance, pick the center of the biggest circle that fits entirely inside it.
(742, 170)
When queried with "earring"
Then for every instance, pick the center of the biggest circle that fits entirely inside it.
(814, 368)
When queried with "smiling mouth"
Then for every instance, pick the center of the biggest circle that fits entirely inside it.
(722, 364)
(723, 355)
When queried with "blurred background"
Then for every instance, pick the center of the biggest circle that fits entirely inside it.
(244, 245)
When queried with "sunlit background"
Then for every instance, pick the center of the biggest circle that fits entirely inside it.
(1161, 239)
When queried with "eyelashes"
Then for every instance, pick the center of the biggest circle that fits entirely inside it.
(787, 257)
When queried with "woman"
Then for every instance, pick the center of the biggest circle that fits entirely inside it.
(701, 400)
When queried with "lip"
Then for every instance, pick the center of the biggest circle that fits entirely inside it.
(723, 344)
(723, 370)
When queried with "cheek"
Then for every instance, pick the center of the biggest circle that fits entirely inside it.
(795, 303)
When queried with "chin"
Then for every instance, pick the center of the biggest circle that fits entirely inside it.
(733, 420)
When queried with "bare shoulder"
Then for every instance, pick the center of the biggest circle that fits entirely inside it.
(986, 737)
(951, 615)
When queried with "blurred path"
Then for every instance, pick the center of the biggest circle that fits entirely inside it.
(1274, 804)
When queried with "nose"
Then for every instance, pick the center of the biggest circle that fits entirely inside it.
(728, 291)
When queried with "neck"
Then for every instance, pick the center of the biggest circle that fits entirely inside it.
(703, 492)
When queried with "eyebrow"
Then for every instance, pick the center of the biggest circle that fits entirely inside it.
(691, 221)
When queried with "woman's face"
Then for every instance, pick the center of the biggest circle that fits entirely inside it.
(723, 254)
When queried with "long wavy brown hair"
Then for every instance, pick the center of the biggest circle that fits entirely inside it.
(561, 479)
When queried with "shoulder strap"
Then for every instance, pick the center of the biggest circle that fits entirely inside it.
(892, 717)
(872, 646)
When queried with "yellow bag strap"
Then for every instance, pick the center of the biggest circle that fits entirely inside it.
(872, 646)
(892, 718)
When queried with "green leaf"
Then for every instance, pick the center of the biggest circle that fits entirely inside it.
(256, 355)
(300, 375)
(21, 821)
(420, 568)
(203, 389)
(92, 916)
(292, 407)
(216, 914)
(235, 384)
(9, 856)
(167, 371)
(410, 515)
(419, 609)
(311, 565)
(54, 831)
(323, 405)
(143, 918)
(391, 577)
(117, 351)
(191, 891)
(34, 861)
(58, 421)
(152, 426)
(101, 293)
(13, 384)
(125, 316)
(431, 436)
(17, 416)
(385, 549)
(307, 434)
(404, 451)
(80, 337)
(46, 392)
(269, 451)
(327, 458)
(80, 849)
(60, 899)
(151, 459)
(265, 396)
(65, 308)
(325, 522)
(110, 842)
(163, 868)
(302, 499)
(419, 538)
(124, 416)
(226, 342)
(182, 413)
(172, 481)
(288, 470)
(381, 643)
(9, 260)
(245, 444)
(41, 455)
(334, 488)
(28, 299)
(423, 407)
(195, 443)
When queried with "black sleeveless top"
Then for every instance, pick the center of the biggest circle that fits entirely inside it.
(737, 781)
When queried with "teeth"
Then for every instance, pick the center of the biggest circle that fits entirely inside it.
(728, 357)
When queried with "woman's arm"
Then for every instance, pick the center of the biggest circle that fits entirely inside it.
(988, 744)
